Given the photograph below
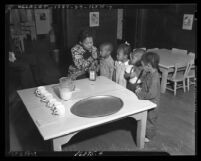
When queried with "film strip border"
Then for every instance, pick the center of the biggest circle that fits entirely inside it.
(195, 15)
(61, 6)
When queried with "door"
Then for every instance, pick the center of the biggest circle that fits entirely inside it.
(134, 27)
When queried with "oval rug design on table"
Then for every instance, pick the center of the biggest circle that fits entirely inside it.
(97, 106)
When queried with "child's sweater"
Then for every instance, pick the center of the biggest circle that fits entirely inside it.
(107, 67)
(120, 71)
(137, 71)
(150, 89)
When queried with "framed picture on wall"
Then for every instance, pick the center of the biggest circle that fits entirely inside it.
(93, 19)
(42, 16)
(188, 21)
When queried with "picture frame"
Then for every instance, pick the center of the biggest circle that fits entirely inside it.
(93, 19)
(188, 21)
(42, 16)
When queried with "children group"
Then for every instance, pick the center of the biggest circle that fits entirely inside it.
(134, 69)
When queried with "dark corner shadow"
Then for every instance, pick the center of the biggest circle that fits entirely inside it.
(128, 124)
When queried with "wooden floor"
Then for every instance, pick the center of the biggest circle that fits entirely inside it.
(176, 129)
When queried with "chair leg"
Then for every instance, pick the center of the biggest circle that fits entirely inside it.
(184, 85)
(188, 83)
(175, 88)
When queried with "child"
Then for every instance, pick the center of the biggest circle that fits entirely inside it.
(134, 75)
(150, 90)
(106, 61)
(122, 63)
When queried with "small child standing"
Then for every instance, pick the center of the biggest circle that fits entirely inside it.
(134, 75)
(150, 90)
(122, 63)
(106, 61)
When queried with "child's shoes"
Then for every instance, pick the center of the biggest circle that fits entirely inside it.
(146, 140)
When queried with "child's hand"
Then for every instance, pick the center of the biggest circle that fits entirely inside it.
(132, 75)
(137, 91)
(127, 75)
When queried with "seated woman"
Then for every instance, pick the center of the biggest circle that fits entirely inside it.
(84, 56)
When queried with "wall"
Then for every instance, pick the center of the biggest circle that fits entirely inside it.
(119, 23)
(164, 28)
(159, 27)
(42, 26)
(79, 19)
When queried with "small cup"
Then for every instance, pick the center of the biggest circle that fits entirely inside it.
(51, 103)
(39, 91)
(44, 92)
(47, 97)
(54, 104)
(60, 110)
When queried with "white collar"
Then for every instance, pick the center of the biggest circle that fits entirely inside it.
(126, 63)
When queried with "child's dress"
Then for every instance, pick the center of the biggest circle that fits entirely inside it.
(107, 67)
(120, 71)
(150, 90)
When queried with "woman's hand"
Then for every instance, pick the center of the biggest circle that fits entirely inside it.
(94, 55)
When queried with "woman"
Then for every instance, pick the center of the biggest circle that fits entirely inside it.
(84, 56)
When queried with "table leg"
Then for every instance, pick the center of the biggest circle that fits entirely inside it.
(164, 80)
(58, 142)
(141, 128)
(22, 43)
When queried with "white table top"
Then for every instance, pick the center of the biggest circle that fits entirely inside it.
(51, 126)
(169, 59)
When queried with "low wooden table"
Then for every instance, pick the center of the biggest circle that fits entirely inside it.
(167, 63)
(60, 130)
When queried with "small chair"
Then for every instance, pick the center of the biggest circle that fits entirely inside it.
(179, 76)
(179, 51)
(191, 74)
(192, 56)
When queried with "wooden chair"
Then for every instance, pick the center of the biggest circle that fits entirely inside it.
(179, 51)
(179, 76)
(192, 56)
(191, 74)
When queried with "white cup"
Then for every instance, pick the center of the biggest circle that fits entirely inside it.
(47, 97)
(65, 94)
(60, 110)
(51, 103)
(39, 90)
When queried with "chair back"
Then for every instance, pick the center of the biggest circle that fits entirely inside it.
(179, 69)
(192, 57)
(188, 69)
(179, 51)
